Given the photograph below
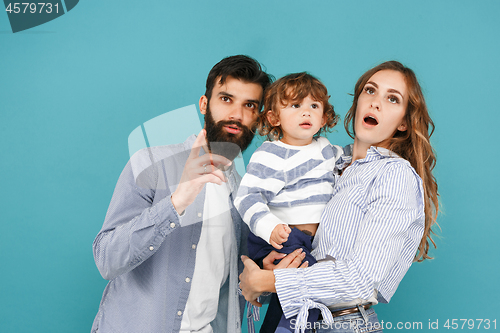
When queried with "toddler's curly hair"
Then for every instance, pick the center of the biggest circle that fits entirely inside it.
(293, 88)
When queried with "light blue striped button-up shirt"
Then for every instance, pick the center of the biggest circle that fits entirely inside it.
(148, 258)
(367, 239)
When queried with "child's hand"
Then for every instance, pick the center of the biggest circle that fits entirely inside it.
(279, 235)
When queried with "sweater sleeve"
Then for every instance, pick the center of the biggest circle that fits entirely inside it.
(262, 182)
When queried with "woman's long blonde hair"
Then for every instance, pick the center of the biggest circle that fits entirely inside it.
(413, 144)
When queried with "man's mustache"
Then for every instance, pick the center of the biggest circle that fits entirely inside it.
(223, 123)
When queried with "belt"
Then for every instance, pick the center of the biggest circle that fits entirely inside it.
(350, 310)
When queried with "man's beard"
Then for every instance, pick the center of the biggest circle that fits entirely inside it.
(223, 143)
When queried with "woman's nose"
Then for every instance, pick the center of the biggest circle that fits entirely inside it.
(375, 103)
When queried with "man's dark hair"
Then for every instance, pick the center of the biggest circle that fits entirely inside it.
(240, 67)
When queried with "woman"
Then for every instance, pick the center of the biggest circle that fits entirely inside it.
(380, 216)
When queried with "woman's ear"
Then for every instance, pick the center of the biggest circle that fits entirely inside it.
(272, 118)
(402, 127)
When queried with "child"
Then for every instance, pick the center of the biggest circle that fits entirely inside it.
(289, 180)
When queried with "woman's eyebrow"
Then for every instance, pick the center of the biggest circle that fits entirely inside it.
(395, 91)
(389, 90)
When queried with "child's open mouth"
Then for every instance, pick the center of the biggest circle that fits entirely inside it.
(306, 125)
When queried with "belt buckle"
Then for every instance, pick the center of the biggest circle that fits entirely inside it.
(349, 310)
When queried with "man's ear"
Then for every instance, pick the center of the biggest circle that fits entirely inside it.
(402, 127)
(272, 119)
(203, 104)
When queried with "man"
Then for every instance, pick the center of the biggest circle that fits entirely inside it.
(171, 239)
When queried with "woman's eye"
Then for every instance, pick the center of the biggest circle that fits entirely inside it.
(370, 90)
(393, 99)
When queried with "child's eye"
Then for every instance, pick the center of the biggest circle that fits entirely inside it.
(393, 99)
(314, 106)
(295, 106)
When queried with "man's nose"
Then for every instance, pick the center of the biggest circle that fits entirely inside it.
(236, 113)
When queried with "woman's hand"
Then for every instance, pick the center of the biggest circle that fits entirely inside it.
(268, 261)
(292, 260)
(255, 281)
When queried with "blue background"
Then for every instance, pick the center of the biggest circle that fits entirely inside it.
(73, 89)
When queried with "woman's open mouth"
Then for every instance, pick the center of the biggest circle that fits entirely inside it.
(370, 120)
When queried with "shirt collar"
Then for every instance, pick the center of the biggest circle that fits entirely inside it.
(374, 153)
(345, 159)
(230, 174)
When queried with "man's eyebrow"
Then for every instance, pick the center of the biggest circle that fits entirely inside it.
(253, 101)
(223, 93)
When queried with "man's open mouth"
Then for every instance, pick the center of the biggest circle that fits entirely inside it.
(233, 129)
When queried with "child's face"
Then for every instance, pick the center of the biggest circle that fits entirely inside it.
(381, 109)
(300, 121)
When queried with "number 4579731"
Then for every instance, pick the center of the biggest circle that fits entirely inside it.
(32, 7)
(470, 324)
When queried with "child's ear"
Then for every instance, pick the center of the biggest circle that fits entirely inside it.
(324, 120)
(402, 127)
(272, 118)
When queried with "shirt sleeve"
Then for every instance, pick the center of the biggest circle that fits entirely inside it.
(134, 228)
(388, 236)
(261, 183)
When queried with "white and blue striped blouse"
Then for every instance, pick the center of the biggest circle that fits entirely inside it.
(367, 239)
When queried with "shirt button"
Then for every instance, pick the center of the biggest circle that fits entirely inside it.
(188, 279)
(199, 214)
(193, 246)
(179, 313)
(172, 225)
(151, 248)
